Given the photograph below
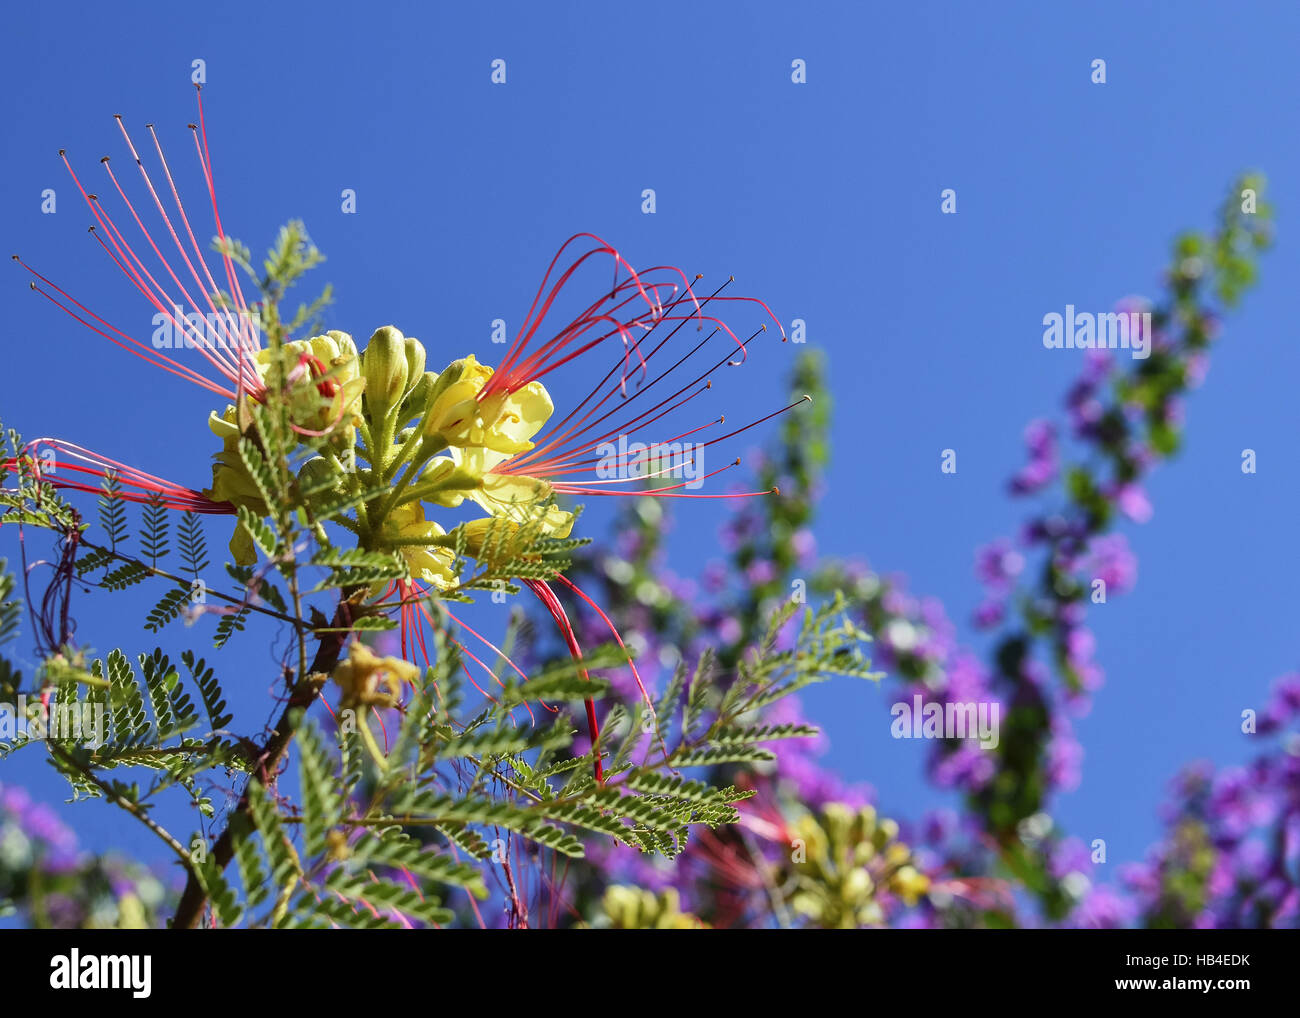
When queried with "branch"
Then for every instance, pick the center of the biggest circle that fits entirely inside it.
(268, 758)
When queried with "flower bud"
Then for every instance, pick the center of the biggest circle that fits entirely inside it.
(384, 367)
(444, 483)
(414, 361)
(497, 538)
(417, 400)
(449, 376)
(910, 884)
(343, 345)
(316, 472)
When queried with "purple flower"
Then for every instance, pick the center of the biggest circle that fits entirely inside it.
(968, 767)
(14, 799)
(1283, 705)
(1142, 878)
(1040, 440)
(1064, 756)
(997, 564)
(1237, 805)
(937, 826)
(804, 545)
(1104, 908)
(1085, 412)
(1109, 558)
(1097, 365)
(1079, 646)
(714, 577)
(967, 680)
(989, 614)
(1132, 501)
(1069, 855)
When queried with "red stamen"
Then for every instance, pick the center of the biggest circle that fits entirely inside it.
(140, 487)
(547, 596)
(233, 362)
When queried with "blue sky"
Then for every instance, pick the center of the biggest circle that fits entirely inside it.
(821, 198)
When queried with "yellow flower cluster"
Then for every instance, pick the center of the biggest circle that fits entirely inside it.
(323, 383)
(635, 908)
(432, 436)
(843, 860)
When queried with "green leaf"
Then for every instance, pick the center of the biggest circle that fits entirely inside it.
(322, 805)
(169, 606)
(209, 690)
(194, 546)
(154, 532)
(259, 531)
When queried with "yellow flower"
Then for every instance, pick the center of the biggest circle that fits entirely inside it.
(909, 884)
(635, 908)
(844, 859)
(231, 481)
(484, 434)
(503, 422)
(324, 368)
(443, 484)
(426, 562)
(517, 499)
(512, 419)
(453, 411)
(367, 680)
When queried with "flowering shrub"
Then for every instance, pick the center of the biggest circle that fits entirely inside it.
(337, 464)
(444, 776)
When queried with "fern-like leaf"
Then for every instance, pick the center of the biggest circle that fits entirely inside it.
(155, 530)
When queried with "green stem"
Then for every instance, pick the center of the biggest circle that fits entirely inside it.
(131, 807)
(269, 755)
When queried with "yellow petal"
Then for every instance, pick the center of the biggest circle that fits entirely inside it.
(242, 547)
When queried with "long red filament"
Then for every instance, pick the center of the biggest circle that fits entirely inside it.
(552, 603)
(138, 486)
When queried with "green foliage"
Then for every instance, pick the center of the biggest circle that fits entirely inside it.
(409, 798)
(27, 499)
(345, 848)
(112, 513)
(126, 575)
(258, 529)
(109, 717)
(354, 566)
(155, 530)
(231, 623)
(209, 690)
(10, 610)
(99, 558)
(170, 605)
(194, 546)
(257, 587)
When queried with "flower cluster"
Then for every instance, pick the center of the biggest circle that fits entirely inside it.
(382, 447)
(1231, 853)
